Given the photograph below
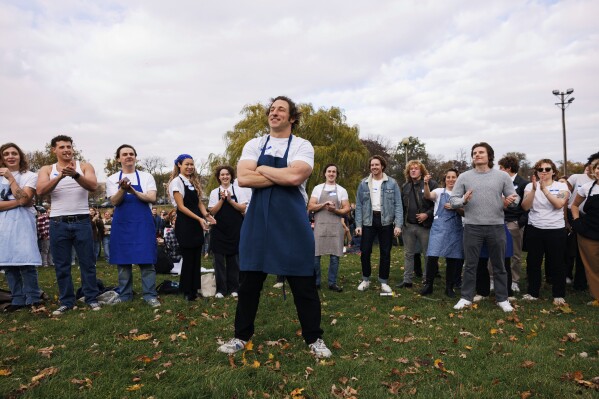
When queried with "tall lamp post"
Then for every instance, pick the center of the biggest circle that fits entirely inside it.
(405, 142)
(564, 102)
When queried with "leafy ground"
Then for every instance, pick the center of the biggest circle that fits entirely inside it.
(398, 346)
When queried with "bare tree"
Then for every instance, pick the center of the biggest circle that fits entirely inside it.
(153, 164)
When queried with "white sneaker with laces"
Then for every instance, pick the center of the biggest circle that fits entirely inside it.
(320, 350)
(559, 301)
(505, 306)
(234, 294)
(153, 302)
(219, 295)
(478, 298)
(515, 287)
(60, 311)
(95, 306)
(232, 346)
(385, 288)
(278, 285)
(528, 297)
(462, 303)
(364, 285)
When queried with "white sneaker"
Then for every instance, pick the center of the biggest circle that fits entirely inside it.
(278, 285)
(505, 306)
(528, 297)
(462, 303)
(559, 301)
(60, 311)
(478, 298)
(234, 294)
(515, 287)
(234, 345)
(95, 306)
(153, 302)
(385, 288)
(492, 285)
(219, 295)
(320, 350)
(364, 285)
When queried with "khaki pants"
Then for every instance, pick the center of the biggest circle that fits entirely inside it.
(589, 252)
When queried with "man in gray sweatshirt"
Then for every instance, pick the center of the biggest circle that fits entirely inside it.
(483, 192)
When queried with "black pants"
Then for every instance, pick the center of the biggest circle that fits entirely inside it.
(385, 236)
(305, 297)
(226, 269)
(190, 278)
(550, 243)
(574, 266)
(483, 278)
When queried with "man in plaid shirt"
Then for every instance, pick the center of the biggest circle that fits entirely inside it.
(43, 235)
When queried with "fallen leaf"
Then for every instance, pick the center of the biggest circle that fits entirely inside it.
(527, 364)
(47, 372)
(336, 344)
(84, 383)
(135, 387)
(256, 364)
(141, 337)
(5, 372)
(249, 346)
(343, 380)
(525, 395)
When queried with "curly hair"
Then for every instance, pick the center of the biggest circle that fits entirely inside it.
(220, 168)
(510, 163)
(294, 112)
(414, 162)
(23, 163)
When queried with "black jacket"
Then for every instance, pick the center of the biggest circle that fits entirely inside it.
(517, 214)
(423, 205)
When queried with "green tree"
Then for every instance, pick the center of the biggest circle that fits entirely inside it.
(333, 140)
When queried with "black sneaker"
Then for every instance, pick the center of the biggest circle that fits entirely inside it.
(335, 287)
(14, 308)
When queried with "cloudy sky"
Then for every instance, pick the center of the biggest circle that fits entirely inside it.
(172, 76)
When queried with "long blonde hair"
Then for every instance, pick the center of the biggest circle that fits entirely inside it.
(194, 178)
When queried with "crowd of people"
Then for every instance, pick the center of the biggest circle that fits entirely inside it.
(479, 221)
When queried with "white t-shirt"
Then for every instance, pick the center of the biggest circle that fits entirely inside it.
(375, 198)
(341, 192)
(214, 195)
(299, 150)
(438, 192)
(584, 192)
(543, 214)
(26, 179)
(577, 181)
(179, 186)
(146, 181)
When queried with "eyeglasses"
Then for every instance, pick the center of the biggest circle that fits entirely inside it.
(544, 170)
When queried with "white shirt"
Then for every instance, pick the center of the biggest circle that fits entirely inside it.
(299, 150)
(341, 192)
(26, 179)
(146, 181)
(215, 195)
(375, 198)
(68, 197)
(584, 192)
(577, 181)
(179, 186)
(438, 192)
(543, 214)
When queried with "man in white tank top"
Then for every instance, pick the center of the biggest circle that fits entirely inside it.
(68, 182)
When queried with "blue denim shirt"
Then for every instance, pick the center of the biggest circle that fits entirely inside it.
(391, 205)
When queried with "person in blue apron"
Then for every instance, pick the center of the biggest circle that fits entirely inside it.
(133, 239)
(276, 237)
(330, 203)
(228, 207)
(192, 220)
(446, 235)
(19, 254)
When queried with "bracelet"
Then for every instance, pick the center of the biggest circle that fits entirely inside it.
(76, 175)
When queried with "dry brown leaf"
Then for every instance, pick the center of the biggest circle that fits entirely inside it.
(525, 395)
(343, 380)
(527, 364)
(160, 374)
(141, 337)
(232, 362)
(84, 383)
(5, 372)
(46, 352)
(47, 372)
(336, 344)
(134, 331)
(135, 387)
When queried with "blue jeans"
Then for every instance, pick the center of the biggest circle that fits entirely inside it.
(96, 249)
(22, 282)
(63, 237)
(333, 269)
(106, 246)
(148, 282)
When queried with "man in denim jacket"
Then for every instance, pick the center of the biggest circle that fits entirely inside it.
(379, 213)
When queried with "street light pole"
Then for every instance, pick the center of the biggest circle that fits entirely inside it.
(406, 141)
(563, 104)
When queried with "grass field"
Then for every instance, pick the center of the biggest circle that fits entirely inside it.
(383, 347)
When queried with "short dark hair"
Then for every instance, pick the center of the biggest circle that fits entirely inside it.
(294, 112)
(23, 162)
(592, 158)
(381, 159)
(118, 150)
(60, 137)
(324, 171)
(511, 163)
(490, 152)
(220, 168)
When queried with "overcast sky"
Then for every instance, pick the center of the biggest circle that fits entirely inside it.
(172, 76)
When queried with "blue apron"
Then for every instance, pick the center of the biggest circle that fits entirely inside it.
(133, 234)
(276, 236)
(446, 237)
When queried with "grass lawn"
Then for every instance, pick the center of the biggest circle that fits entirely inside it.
(400, 346)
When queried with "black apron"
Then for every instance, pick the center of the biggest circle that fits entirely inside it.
(224, 236)
(587, 225)
(189, 232)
